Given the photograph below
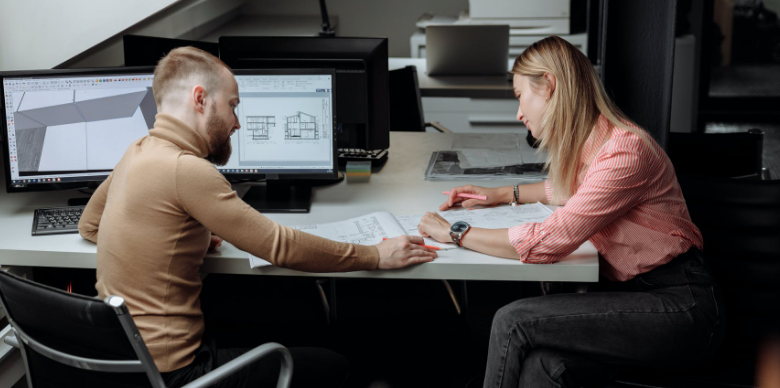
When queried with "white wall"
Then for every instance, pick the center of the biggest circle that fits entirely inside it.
(40, 34)
(394, 19)
(188, 19)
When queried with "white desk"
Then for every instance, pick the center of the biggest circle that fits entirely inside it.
(474, 86)
(399, 188)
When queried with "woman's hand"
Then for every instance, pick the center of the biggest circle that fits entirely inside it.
(494, 196)
(436, 227)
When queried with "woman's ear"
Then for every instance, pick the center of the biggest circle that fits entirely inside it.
(550, 83)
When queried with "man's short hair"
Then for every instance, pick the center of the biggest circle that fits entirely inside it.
(184, 67)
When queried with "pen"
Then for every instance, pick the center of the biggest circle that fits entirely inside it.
(422, 245)
(463, 195)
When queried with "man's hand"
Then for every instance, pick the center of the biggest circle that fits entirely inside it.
(215, 243)
(436, 227)
(403, 251)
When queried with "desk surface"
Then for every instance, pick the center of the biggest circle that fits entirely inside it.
(474, 86)
(399, 188)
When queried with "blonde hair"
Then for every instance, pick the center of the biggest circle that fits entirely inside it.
(572, 110)
(183, 66)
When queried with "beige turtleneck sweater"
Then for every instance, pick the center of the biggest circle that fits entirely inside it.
(151, 220)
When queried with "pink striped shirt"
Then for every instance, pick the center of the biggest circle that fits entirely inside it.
(627, 203)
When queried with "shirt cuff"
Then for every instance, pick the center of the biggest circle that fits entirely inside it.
(526, 237)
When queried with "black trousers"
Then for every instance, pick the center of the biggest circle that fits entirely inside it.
(671, 316)
(312, 367)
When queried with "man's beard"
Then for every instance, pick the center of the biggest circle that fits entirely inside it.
(219, 139)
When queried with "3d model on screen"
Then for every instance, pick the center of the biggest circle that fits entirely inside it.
(54, 128)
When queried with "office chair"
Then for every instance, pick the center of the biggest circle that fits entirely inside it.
(732, 155)
(70, 340)
(740, 222)
(406, 113)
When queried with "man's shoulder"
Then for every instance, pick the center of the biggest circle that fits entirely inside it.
(196, 170)
(189, 160)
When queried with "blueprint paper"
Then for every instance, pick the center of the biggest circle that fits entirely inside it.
(371, 228)
(489, 218)
(446, 165)
(479, 158)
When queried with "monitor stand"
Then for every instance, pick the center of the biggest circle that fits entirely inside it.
(279, 197)
(80, 201)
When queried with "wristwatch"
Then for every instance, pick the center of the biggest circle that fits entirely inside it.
(515, 195)
(458, 230)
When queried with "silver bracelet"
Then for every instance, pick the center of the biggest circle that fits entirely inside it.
(516, 195)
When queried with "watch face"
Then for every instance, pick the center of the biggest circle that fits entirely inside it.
(459, 226)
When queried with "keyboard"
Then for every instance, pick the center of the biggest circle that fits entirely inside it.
(56, 220)
(376, 157)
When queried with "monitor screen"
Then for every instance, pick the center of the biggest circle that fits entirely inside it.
(287, 125)
(64, 129)
(361, 71)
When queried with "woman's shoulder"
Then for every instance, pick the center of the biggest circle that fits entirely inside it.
(630, 138)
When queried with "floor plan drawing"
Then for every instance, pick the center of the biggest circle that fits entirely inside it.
(259, 126)
(301, 126)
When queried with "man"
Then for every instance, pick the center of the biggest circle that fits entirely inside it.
(154, 216)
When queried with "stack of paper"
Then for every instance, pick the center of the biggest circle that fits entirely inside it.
(479, 156)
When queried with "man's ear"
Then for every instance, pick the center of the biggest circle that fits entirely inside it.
(199, 98)
(550, 83)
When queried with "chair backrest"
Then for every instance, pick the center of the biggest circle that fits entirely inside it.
(69, 340)
(740, 222)
(406, 112)
(717, 154)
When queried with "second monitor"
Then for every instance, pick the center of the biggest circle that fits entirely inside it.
(287, 136)
(363, 113)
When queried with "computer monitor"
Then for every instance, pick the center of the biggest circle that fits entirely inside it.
(148, 50)
(362, 101)
(66, 129)
(287, 136)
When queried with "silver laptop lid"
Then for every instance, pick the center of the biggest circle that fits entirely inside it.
(467, 49)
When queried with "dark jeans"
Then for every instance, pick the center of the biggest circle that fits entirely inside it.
(312, 367)
(670, 316)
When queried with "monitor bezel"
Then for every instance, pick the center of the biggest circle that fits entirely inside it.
(87, 182)
(333, 175)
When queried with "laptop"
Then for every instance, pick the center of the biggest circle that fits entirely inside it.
(466, 49)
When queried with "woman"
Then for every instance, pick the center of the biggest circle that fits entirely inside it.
(618, 189)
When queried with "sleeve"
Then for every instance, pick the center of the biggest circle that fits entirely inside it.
(615, 182)
(548, 192)
(208, 197)
(90, 217)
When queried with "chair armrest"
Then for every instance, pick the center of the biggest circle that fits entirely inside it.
(285, 374)
(11, 340)
(438, 127)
